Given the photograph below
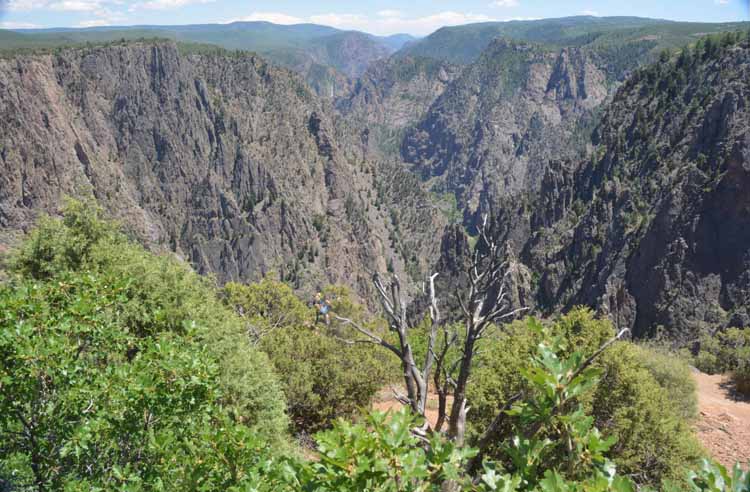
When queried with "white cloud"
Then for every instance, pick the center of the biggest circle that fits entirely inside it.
(274, 17)
(391, 21)
(167, 4)
(101, 11)
(94, 23)
(25, 5)
(345, 21)
(76, 5)
(593, 13)
(508, 19)
(389, 13)
(504, 3)
(18, 25)
(384, 22)
(721, 2)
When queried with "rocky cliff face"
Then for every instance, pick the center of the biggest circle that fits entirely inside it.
(489, 136)
(654, 228)
(331, 64)
(634, 202)
(392, 95)
(231, 163)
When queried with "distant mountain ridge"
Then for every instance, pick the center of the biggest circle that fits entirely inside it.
(463, 44)
(327, 57)
(331, 59)
(258, 36)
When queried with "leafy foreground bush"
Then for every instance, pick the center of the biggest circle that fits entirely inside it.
(120, 370)
(118, 366)
(385, 454)
(161, 295)
(86, 403)
(645, 400)
(323, 379)
(727, 352)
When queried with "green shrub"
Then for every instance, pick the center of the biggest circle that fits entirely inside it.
(581, 331)
(162, 294)
(727, 352)
(385, 455)
(323, 378)
(86, 404)
(67, 244)
(654, 440)
(714, 477)
(645, 398)
(741, 378)
(498, 375)
(265, 306)
(553, 445)
(674, 375)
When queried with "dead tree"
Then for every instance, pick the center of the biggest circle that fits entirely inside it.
(484, 304)
(452, 348)
(416, 377)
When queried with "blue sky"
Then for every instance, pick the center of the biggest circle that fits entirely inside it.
(418, 17)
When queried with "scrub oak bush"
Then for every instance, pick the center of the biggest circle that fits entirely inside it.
(87, 403)
(727, 352)
(323, 378)
(646, 399)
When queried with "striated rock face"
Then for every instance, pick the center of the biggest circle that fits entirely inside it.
(229, 162)
(330, 64)
(654, 229)
(393, 94)
(350, 52)
(634, 202)
(489, 136)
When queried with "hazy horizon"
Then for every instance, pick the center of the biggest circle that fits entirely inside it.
(378, 18)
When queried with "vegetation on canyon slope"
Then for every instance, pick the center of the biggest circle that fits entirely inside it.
(123, 369)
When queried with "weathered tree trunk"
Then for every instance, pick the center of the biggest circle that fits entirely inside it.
(457, 422)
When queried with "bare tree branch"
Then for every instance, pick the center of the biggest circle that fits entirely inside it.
(371, 336)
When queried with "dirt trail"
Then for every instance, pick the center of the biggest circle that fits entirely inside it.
(724, 425)
(385, 401)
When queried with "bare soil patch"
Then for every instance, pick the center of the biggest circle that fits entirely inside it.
(385, 401)
(724, 423)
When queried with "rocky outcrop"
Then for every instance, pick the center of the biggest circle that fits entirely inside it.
(392, 95)
(229, 162)
(489, 136)
(655, 227)
(635, 203)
